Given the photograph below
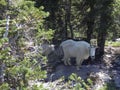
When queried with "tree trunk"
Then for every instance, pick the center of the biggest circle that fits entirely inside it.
(90, 25)
(69, 20)
(66, 24)
(105, 19)
(90, 22)
(4, 36)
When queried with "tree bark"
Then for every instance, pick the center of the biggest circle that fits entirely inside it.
(69, 19)
(5, 35)
(105, 19)
(90, 21)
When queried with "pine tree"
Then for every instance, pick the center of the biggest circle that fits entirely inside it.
(24, 29)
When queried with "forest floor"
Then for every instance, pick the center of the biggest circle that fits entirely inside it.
(108, 71)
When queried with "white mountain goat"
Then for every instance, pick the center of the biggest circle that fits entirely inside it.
(47, 48)
(79, 49)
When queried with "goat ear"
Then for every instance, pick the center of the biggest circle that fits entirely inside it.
(52, 46)
(97, 47)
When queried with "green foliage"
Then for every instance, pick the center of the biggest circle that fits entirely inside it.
(3, 2)
(3, 41)
(28, 19)
(79, 83)
(26, 24)
(109, 86)
(116, 6)
(18, 72)
(35, 87)
(23, 71)
(115, 27)
(5, 86)
(114, 44)
(90, 82)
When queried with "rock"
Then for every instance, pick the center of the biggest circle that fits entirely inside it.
(116, 79)
(100, 78)
(117, 40)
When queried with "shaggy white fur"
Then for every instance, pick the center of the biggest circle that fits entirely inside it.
(47, 49)
(79, 49)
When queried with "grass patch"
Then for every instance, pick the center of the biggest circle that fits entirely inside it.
(114, 44)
